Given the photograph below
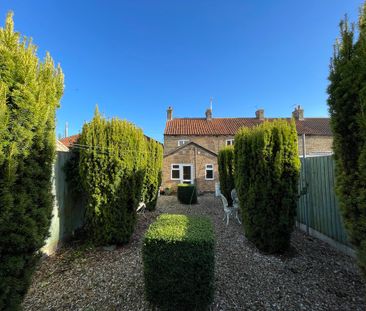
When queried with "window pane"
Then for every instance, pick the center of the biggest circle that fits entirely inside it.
(186, 172)
(209, 166)
(209, 174)
(176, 166)
(175, 174)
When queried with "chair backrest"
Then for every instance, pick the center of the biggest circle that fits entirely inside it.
(224, 201)
(234, 195)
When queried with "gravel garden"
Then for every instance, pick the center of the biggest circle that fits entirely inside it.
(311, 276)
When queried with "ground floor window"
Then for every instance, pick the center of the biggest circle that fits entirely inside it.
(209, 172)
(229, 142)
(182, 172)
(175, 172)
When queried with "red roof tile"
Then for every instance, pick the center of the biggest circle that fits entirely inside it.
(69, 141)
(229, 126)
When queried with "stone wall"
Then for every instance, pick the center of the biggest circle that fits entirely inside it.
(196, 156)
(314, 144)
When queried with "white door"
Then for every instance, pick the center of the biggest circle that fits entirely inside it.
(187, 174)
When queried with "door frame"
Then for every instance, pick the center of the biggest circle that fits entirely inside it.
(182, 173)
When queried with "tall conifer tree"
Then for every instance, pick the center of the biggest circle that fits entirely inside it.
(30, 92)
(347, 107)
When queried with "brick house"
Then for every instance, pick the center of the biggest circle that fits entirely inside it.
(191, 145)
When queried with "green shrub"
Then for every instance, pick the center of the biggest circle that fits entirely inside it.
(178, 257)
(267, 169)
(347, 106)
(112, 166)
(226, 172)
(187, 194)
(30, 92)
(153, 175)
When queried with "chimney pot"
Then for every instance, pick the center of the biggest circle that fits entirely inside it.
(169, 114)
(259, 114)
(209, 114)
(298, 113)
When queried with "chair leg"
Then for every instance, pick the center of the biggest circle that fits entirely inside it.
(237, 218)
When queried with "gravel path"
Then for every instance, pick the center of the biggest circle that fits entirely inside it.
(312, 276)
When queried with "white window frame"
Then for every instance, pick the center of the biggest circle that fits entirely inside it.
(181, 165)
(179, 169)
(182, 142)
(211, 168)
(230, 142)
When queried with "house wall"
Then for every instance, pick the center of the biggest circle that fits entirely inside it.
(214, 143)
(191, 155)
(199, 158)
(314, 144)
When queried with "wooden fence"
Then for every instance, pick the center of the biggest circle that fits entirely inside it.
(318, 208)
(68, 212)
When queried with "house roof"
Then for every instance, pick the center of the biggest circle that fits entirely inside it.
(192, 143)
(71, 140)
(229, 126)
(60, 146)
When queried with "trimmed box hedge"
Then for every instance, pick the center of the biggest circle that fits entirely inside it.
(178, 258)
(187, 194)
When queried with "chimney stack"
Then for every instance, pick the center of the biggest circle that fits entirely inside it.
(209, 114)
(169, 114)
(259, 114)
(298, 113)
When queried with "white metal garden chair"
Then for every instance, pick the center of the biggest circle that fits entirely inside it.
(228, 211)
(236, 204)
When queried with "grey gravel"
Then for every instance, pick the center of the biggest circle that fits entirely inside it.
(311, 276)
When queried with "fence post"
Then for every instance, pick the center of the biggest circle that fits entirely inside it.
(306, 183)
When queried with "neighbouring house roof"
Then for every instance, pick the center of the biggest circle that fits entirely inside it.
(71, 140)
(60, 146)
(190, 144)
(229, 126)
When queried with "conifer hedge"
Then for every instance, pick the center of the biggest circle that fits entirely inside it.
(226, 172)
(347, 107)
(267, 168)
(30, 92)
(153, 175)
(118, 167)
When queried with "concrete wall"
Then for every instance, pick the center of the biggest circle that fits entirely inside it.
(196, 156)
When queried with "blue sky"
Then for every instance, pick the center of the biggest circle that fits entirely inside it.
(135, 58)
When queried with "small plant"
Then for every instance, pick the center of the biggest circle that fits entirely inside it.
(187, 194)
(178, 257)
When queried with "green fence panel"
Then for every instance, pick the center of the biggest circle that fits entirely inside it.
(320, 202)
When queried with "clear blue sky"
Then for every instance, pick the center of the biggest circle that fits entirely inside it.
(135, 58)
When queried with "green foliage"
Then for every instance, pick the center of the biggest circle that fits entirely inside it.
(187, 194)
(112, 169)
(30, 92)
(267, 169)
(178, 257)
(153, 176)
(347, 107)
(226, 172)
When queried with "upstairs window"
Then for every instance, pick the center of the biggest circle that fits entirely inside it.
(209, 172)
(182, 142)
(230, 142)
(175, 172)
